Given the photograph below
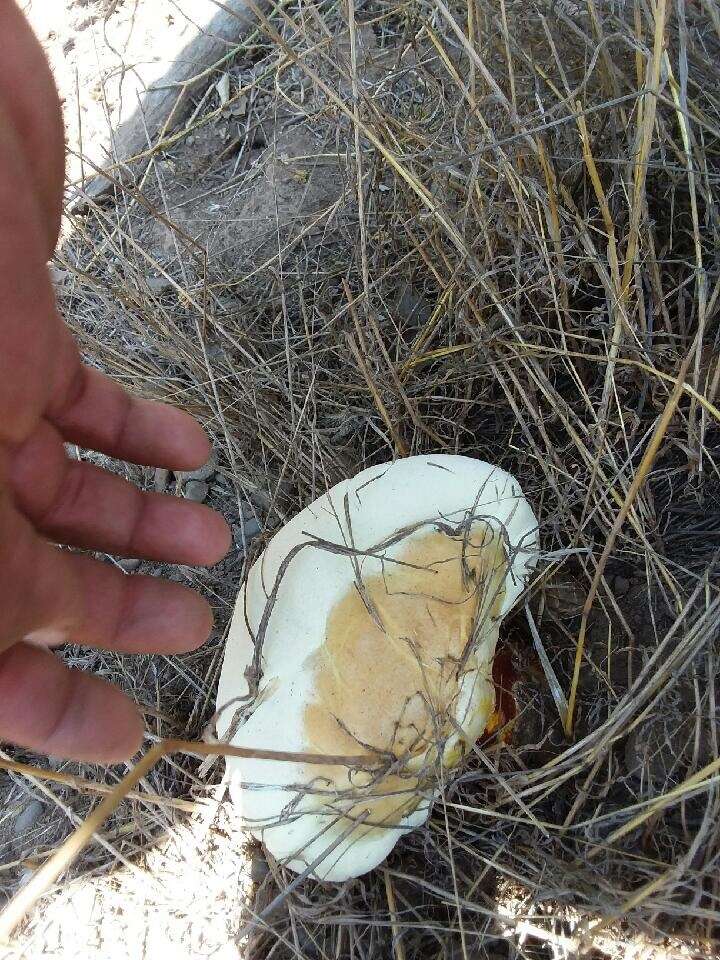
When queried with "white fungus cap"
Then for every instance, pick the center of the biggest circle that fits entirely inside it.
(377, 611)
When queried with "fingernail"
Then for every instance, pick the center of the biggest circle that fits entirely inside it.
(47, 637)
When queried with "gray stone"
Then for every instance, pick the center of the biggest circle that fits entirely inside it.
(161, 479)
(204, 472)
(25, 877)
(251, 528)
(158, 285)
(621, 585)
(58, 276)
(260, 498)
(28, 817)
(247, 509)
(131, 564)
(413, 308)
(196, 490)
(258, 869)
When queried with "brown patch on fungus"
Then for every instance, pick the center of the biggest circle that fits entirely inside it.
(398, 646)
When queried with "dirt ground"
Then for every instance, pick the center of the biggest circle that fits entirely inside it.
(215, 280)
(104, 54)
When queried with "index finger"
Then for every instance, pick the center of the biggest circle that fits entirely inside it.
(93, 411)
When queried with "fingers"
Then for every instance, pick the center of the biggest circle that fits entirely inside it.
(30, 100)
(51, 596)
(36, 586)
(48, 708)
(138, 614)
(81, 505)
(93, 411)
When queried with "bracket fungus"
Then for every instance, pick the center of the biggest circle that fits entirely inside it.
(367, 630)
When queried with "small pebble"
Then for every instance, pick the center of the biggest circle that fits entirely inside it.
(247, 509)
(260, 498)
(251, 529)
(196, 490)
(25, 877)
(161, 479)
(130, 564)
(621, 585)
(158, 284)
(202, 473)
(28, 817)
(258, 869)
(413, 307)
(58, 276)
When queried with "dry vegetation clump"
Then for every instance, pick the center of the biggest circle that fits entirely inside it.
(489, 229)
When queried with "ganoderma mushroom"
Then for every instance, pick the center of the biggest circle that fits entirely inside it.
(367, 628)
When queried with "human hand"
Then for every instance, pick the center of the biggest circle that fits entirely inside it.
(48, 398)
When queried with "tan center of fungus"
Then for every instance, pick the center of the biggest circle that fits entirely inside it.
(398, 644)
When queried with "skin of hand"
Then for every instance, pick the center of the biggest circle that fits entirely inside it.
(49, 398)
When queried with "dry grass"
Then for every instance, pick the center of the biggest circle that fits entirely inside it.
(517, 261)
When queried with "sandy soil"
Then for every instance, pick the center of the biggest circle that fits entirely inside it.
(103, 54)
